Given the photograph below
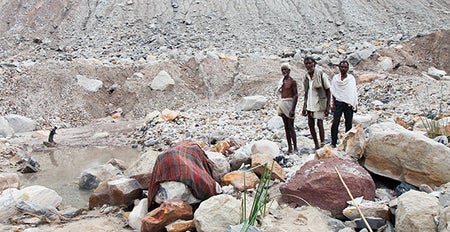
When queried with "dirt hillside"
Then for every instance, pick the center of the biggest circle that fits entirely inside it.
(215, 52)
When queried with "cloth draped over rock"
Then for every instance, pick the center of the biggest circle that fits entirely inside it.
(185, 162)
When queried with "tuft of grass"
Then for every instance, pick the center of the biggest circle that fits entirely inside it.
(432, 126)
(260, 200)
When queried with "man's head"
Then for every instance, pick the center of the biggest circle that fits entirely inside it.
(343, 67)
(309, 63)
(285, 69)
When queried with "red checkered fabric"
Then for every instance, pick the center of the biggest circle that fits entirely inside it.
(185, 162)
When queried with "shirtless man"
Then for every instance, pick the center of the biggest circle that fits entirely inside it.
(317, 99)
(286, 107)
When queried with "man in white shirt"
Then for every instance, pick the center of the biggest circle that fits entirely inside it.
(344, 99)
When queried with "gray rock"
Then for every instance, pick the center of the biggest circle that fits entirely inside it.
(240, 156)
(20, 123)
(385, 65)
(26, 206)
(266, 147)
(436, 73)
(221, 164)
(162, 81)
(174, 190)
(90, 85)
(138, 75)
(275, 123)
(8, 200)
(90, 178)
(374, 223)
(251, 103)
(138, 212)
(6, 131)
(442, 139)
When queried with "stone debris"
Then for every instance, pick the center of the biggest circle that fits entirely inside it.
(198, 71)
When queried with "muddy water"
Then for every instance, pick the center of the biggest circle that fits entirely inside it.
(61, 169)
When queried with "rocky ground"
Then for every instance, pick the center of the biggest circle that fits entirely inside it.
(216, 53)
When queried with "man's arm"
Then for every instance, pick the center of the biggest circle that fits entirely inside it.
(295, 98)
(333, 105)
(305, 97)
(327, 109)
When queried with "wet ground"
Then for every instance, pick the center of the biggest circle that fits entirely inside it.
(61, 169)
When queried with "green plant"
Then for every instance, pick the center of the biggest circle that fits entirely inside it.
(431, 124)
(432, 127)
(258, 210)
(260, 199)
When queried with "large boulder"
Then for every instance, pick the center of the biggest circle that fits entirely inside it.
(37, 196)
(166, 213)
(395, 152)
(118, 191)
(416, 211)
(8, 201)
(318, 183)
(250, 103)
(444, 219)
(217, 213)
(20, 123)
(144, 164)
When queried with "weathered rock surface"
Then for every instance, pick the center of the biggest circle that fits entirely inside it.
(118, 191)
(400, 154)
(168, 212)
(264, 163)
(305, 218)
(416, 212)
(217, 213)
(318, 183)
(241, 180)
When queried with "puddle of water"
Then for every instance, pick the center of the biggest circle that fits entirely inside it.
(60, 170)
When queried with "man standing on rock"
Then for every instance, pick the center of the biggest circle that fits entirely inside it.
(344, 99)
(287, 86)
(316, 100)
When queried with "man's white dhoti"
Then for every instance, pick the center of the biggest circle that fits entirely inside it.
(285, 106)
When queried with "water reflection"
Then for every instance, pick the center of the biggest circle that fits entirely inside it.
(60, 169)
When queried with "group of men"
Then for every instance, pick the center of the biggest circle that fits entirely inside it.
(320, 98)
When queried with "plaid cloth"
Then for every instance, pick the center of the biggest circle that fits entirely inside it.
(185, 162)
